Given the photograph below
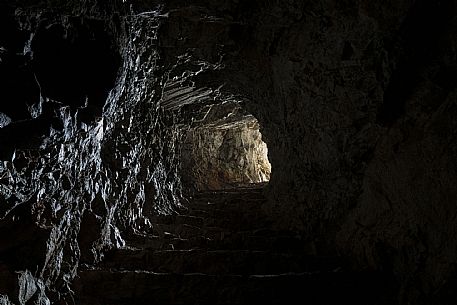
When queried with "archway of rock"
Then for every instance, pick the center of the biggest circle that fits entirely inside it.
(222, 146)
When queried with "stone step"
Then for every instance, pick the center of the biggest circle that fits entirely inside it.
(221, 217)
(178, 219)
(155, 242)
(213, 233)
(246, 199)
(218, 218)
(217, 262)
(220, 240)
(114, 287)
(254, 192)
(186, 231)
(234, 214)
(228, 204)
(220, 213)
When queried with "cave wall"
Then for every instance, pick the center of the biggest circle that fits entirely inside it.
(89, 154)
(356, 100)
(218, 158)
(359, 99)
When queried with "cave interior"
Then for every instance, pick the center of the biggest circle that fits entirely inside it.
(228, 152)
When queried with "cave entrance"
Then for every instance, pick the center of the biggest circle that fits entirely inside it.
(226, 156)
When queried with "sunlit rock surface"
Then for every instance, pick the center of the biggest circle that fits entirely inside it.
(225, 157)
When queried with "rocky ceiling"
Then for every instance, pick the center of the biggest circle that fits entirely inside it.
(356, 101)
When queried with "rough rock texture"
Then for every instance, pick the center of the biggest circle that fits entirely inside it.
(225, 157)
(77, 173)
(356, 100)
(221, 249)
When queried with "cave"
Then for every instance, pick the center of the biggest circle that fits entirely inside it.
(228, 152)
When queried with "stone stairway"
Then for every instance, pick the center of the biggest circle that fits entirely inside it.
(223, 250)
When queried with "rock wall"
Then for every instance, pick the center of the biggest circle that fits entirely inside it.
(217, 158)
(356, 100)
(87, 154)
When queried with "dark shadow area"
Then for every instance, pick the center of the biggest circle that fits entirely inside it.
(421, 43)
(75, 64)
(18, 87)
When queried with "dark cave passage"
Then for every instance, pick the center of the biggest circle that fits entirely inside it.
(134, 166)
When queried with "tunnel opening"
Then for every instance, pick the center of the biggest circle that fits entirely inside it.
(225, 156)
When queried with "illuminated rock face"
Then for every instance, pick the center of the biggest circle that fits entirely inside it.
(225, 157)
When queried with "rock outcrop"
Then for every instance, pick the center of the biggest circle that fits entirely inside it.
(227, 156)
(89, 156)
